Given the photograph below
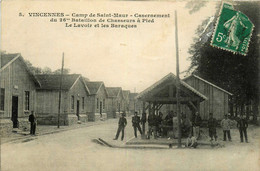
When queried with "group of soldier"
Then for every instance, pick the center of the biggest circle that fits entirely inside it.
(157, 126)
(189, 128)
(135, 123)
(169, 125)
(226, 125)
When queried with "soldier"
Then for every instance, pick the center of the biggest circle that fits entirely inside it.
(186, 126)
(32, 119)
(143, 120)
(191, 142)
(159, 123)
(242, 126)
(226, 125)
(121, 126)
(196, 125)
(212, 124)
(152, 125)
(168, 119)
(160, 117)
(136, 124)
(175, 125)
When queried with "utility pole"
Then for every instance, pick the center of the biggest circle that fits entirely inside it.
(134, 101)
(62, 65)
(177, 81)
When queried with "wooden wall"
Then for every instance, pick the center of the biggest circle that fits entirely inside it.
(48, 102)
(217, 102)
(111, 107)
(15, 79)
(120, 100)
(92, 104)
(135, 106)
(91, 107)
(78, 91)
(101, 96)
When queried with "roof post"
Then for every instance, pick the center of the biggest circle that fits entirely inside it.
(60, 89)
(143, 120)
(177, 81)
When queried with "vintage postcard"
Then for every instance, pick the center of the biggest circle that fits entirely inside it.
(129, 85)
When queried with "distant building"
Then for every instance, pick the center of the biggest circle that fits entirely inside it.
(115, 101)
(218, 98)
(97, 100)
(126, 101)
(17, 93)
(74, 98)
(134, 104)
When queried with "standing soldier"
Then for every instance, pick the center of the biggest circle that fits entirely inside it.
(159, 123)
(32, 119)
(121, 126)
(143, 121)
(186, 126)
(226, 125)
(152, 125)
(136, 124)
(175, 125)
(196, 125)
(242, 126)
(212, 124)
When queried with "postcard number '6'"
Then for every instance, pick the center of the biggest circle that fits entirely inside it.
(220, 37)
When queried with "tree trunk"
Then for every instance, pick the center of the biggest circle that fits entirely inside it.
(231, 107)
(255, 110)
(247, 111)
(236, 111)
(242, 109)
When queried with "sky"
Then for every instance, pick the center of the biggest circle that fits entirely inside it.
(129, 58)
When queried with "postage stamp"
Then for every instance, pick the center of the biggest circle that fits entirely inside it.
(233, 30)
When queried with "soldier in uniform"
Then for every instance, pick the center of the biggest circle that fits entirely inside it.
(196, 125)
(186, 126)
(212, 124)
(175, 125)
(32, 119)
(136, 124)
(152, 125)
(159, 123)
(168, 119)
(191, 142)
(121, 126)
(143, 120)
(226, 126)
(242, 126)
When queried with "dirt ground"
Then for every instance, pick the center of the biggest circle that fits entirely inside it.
(74, 150)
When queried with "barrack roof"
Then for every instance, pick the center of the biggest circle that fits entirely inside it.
(113, 91)
(94, 86)
(169, 76)
(52, 82)
(8, 59)
(196, 76)
(126, 93)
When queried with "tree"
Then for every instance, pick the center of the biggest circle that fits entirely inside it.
(33, 69)
(236, 73)
(195, 6)
(46, 70)
(58, 71)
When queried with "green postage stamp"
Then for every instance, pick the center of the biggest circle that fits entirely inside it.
(233, 30)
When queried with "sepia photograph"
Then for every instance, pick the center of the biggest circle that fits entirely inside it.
(129, 85)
